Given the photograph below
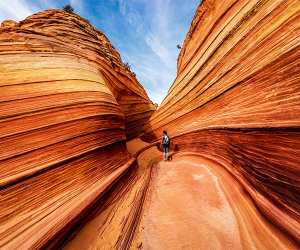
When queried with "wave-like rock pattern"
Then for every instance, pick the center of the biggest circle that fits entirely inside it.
(66, 110)
(236, 100)
(68, 104)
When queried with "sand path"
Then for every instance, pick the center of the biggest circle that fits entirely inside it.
(187, 209)
(194, 203)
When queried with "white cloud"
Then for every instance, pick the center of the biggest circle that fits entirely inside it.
(157, 46)
(162, 41)
(78, 6)
(16, 9)
(46, 4)
(157, 96)
(20, 9)
(123, 7)
(155, 63)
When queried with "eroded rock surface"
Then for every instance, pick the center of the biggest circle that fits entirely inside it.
(236, 100)
(68, 104)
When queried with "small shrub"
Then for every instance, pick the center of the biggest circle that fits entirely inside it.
(127, 66)
(178, 46)
(68, 8)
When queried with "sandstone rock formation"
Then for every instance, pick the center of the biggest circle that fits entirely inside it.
(68, 105)
(236, 100)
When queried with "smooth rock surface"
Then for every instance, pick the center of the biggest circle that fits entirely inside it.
(191, 206)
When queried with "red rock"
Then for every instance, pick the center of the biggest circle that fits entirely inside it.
(8, 24)
(195, 204)
(236, 100)
(65, 113)
(232, 113)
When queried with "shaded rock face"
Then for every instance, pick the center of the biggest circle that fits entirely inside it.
(68, 105)
(236, 100)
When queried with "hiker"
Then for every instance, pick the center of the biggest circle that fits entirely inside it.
(166, 145)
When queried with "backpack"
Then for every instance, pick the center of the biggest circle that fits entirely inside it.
(166, 140)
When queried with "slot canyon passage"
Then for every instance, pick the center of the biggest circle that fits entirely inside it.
(80, 159)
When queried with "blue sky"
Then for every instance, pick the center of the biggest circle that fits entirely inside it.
(145, 32)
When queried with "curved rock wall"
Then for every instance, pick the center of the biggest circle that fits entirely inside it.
(66, 51)
(68, 104)
(236, 100)
(65, 96)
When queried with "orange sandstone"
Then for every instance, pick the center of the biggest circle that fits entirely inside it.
(236, 101)
(65, 114)
(68, 106)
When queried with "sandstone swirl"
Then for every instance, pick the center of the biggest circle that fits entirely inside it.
(68, 105)
(65, 96)
(236, 100)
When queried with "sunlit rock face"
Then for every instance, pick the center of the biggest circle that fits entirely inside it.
(67, 105)
(236, 100)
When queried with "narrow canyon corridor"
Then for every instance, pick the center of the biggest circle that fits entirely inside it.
(80, 140)
(191, 203)
(186, 202)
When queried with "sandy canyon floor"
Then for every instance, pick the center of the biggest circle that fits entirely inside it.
(193, 204)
